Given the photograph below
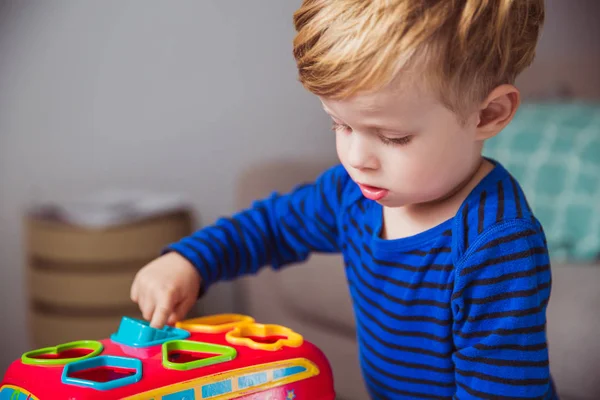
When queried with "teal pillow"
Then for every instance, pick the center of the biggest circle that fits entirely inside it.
(553, 150)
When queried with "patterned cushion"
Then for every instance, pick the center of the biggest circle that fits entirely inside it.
(553, 150)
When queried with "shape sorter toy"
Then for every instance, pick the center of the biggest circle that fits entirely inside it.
(218, 357)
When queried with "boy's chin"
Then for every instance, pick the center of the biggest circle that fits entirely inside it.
(391, 202)
(399, 202)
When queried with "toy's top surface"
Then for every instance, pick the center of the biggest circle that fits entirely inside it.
(211, 357)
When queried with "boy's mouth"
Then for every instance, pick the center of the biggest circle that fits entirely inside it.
(372, 192)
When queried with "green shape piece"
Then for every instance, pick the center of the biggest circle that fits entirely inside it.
(29, 358)
(222, 354)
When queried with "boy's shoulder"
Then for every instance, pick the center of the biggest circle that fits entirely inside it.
(496, 208)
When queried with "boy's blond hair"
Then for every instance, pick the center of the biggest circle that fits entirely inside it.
(343, 47)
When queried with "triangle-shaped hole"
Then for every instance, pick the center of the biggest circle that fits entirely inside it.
(188, 354)
(183, 356)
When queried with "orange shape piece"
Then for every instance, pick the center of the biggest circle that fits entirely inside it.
(218, 323)
(264, 337)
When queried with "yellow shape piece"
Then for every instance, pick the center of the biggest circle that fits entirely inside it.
(218, 323)
(243, 335)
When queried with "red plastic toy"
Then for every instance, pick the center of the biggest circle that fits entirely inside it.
(226, 356)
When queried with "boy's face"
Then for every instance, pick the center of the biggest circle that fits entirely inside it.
(404, 143)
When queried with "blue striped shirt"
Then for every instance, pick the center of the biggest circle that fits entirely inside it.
(455, 312)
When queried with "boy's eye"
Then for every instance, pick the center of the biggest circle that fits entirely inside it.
(403, 141)
(337, 127)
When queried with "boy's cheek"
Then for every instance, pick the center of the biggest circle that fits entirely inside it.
(428, 178)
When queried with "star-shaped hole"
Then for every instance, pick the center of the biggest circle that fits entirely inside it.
(264, 337)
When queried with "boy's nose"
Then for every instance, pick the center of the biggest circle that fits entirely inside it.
(360, 155)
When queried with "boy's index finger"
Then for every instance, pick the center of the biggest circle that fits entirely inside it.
(133, 292)
(159, 317)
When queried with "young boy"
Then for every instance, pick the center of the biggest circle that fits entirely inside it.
(447, 266)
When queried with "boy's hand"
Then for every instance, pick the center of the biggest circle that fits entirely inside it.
(166, 289)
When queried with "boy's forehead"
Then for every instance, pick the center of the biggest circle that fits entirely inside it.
(402, 95)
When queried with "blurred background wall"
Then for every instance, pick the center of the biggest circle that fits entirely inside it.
(180, 96)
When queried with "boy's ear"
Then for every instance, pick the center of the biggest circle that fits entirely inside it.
(497, 110)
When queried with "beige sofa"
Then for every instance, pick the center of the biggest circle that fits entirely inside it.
(313, 299)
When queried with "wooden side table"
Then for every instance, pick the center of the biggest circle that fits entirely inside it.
(78, 280)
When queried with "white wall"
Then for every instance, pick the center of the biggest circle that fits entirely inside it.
(174, 95)
(568, 54)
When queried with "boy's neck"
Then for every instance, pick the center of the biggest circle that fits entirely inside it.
(401, 222)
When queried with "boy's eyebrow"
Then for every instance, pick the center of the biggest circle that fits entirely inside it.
(327, 110)
(330, 113)
(377, 127)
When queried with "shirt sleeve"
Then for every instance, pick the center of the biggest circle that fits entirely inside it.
(502, 288)
(279, 230)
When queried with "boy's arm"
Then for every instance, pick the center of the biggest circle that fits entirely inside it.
(278, 230)
(502, 288)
